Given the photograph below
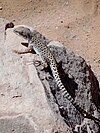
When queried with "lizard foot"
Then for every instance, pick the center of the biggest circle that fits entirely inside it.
(22, 52)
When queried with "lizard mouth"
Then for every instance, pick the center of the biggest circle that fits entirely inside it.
(15, 31)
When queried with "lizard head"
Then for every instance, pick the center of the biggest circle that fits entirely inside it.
(24, 32)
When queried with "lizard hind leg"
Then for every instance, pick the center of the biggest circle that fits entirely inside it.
(41, 62)
(45, 66)
(44, 63)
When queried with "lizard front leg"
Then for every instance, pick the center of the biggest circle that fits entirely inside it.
(29, 49)
(23, 52)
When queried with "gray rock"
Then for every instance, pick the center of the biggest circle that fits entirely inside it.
(17, 124)
(82, 85)
(23, 102)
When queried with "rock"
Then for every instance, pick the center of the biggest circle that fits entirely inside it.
(0, 8)
(30, 0)
(9, 25)
(31, 99)
(82, 85)
(24, 106)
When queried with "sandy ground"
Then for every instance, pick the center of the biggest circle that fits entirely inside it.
(76, 23)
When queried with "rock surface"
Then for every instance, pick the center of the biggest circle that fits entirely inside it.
(23, 103)
(28, 104)
(82, 85)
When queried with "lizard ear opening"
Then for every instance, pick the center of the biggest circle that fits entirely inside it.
(29, 35)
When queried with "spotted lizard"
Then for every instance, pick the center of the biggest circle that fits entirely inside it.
(39, 43)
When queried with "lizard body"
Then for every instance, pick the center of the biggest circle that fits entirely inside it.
(36, 42)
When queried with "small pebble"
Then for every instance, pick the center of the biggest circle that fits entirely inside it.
(68, 27)
(98, 61)
(0, 8)
(13, 20)
(67, 3)
(56, 27)
(30, 0)
(61, 21)
(2, 94)
(9, 25)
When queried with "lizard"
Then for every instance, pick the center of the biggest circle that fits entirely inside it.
(37, 43)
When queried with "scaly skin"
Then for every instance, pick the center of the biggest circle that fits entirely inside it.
(39, 44)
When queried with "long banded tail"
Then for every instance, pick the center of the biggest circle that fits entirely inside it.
(67, 95)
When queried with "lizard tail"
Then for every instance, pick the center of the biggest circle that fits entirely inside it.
(67, 95)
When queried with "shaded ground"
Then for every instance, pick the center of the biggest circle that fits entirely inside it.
(75, 23)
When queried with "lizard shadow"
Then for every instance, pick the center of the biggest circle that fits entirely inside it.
(95, 90)
(68, 83)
